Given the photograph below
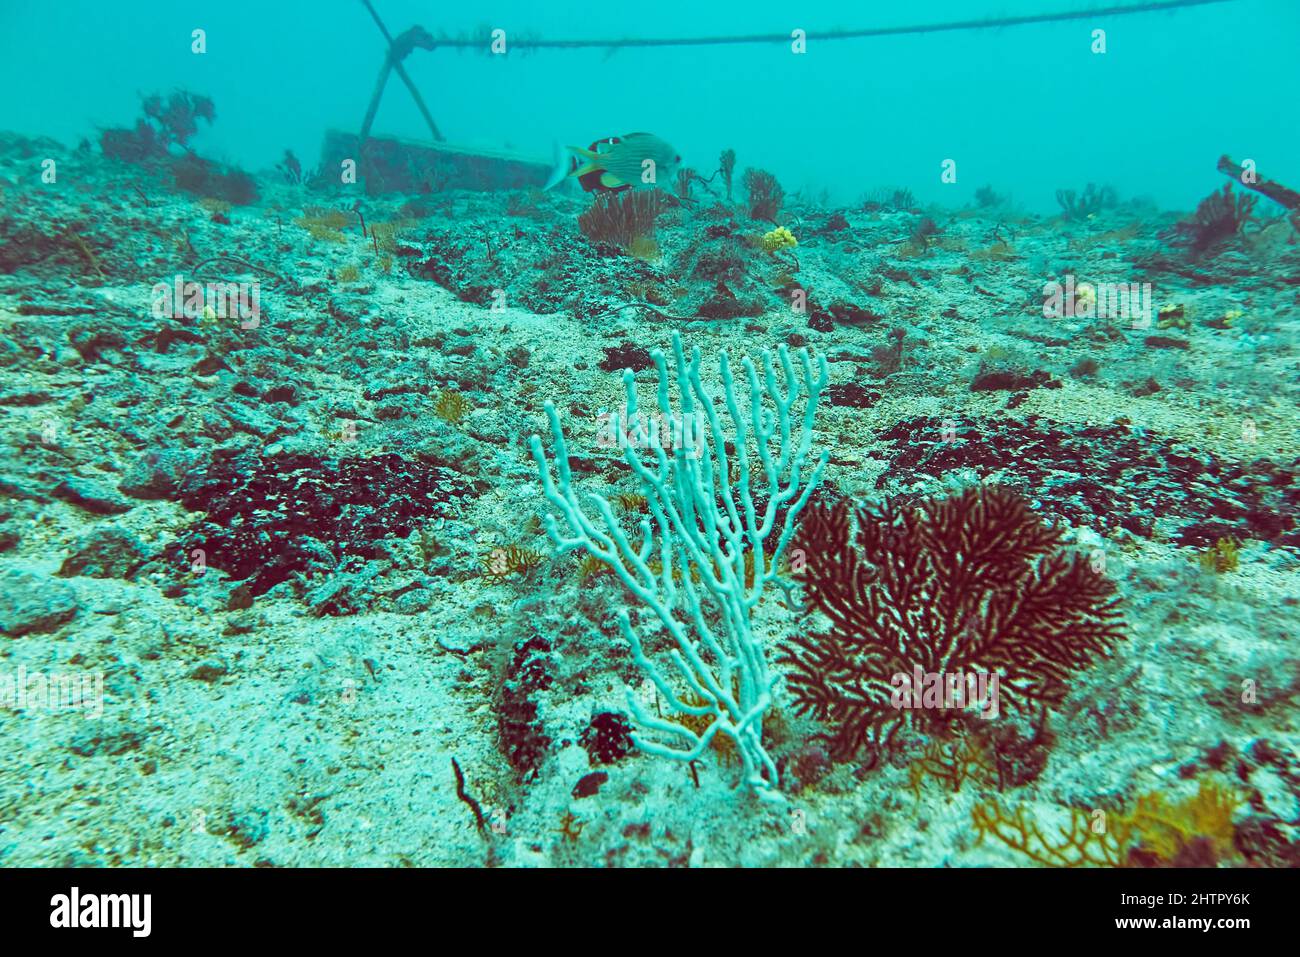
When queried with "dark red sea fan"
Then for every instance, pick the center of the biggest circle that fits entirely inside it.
(765, 194)
(1218, 218)
(972, 583)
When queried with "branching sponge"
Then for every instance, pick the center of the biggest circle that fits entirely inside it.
(715, 507)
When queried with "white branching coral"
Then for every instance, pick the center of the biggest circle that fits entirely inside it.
(704, 554)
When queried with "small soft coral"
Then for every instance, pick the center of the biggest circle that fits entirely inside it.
(778, 239)
(1086, 842)
(162, 138)
(764, 194)
(622, 219)
(1187, 832)
(1157, 832)
(139, 145)
(1090, 203)
(177, 119)
(202, 177)
(1221, 557)
(165, 124)
(1218, 218)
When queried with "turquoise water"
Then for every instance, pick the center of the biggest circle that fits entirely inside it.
(1025, 109)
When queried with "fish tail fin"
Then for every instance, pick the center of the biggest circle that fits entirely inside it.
(566, 165)
(561, 168)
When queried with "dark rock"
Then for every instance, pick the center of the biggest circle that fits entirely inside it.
(270, 517)
(589, 784)
(1167, 342)
(26, 397)
(11, 486)
(282, 393)
(1006, 380)
(724, 304)
(158, 475)
(31, 603)
(94, 741)
(240, 598)
(91, 343)
(1108, 477)
(91, 495)
(608, 738)
(523, 738)
(108, 552)
(210, 670)
(1264, 843)
(851, 395)
(820, 321)
(626, 355)
(847, 314)
(1149, 387)
(252, 421)
(244, 830)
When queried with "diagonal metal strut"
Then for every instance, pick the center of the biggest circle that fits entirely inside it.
(398, 50)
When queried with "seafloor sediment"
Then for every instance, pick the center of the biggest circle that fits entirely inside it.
(276, 543)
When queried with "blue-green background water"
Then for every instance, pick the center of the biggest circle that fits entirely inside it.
(1027, 109)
